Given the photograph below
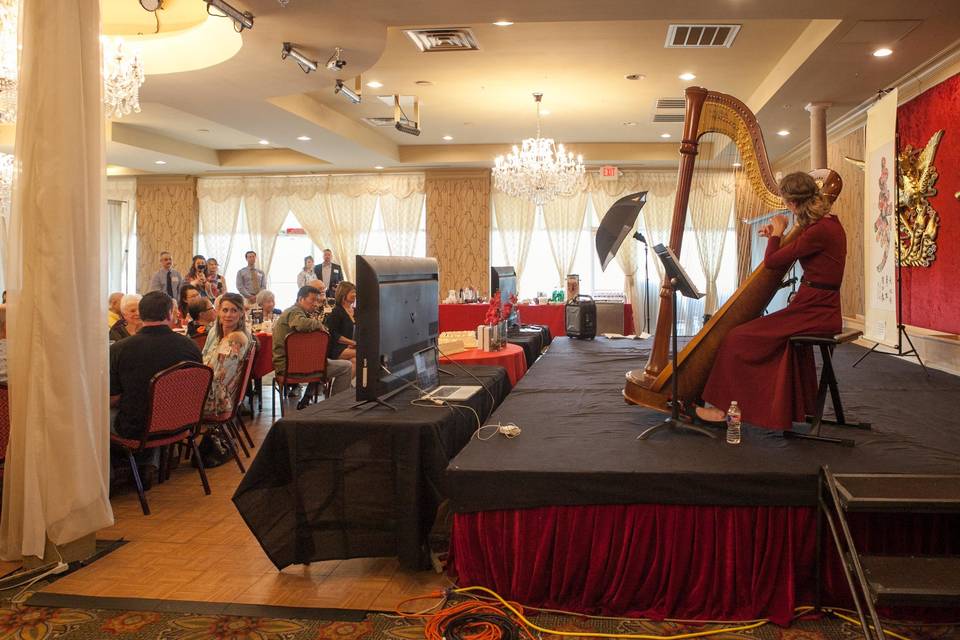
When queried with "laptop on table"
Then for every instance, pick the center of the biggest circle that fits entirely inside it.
(428, 379)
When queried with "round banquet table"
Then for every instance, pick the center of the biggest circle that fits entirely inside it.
(510, 358)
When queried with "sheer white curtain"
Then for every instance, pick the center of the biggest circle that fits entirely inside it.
(711, 205)
(55, 483)
(122, 192)
(313, 212)
(219, 213)
(401, 221)
(515, 218)
(352, 218)
(266, 209)
(563, 219)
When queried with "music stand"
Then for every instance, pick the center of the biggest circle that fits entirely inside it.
(678, 281)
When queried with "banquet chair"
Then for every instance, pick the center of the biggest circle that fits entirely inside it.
(174, 407)
(200, 339)
(229, 423)
(306, 364)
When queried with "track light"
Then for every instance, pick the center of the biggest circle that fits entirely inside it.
(334, 62)
(241, 19)
(305, 63)
(401, 122)
(353, 95)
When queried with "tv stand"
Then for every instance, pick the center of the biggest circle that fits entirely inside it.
(381, 401)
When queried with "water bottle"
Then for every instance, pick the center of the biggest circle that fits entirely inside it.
(733, 423)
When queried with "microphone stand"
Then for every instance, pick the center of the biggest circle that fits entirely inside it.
(646, 280)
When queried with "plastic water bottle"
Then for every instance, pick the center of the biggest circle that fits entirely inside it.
(733, 423)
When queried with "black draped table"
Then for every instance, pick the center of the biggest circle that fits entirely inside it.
(334, 482)
(532, 341)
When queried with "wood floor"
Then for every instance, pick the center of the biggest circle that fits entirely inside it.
(196, 547)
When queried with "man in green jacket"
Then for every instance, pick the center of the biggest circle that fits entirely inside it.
(297, 319)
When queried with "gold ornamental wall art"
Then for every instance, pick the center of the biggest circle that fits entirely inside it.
(919, 222)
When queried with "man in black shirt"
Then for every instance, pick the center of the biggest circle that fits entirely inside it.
(134, 361)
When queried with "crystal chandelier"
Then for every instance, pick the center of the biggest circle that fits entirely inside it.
(9, 10)
(6, 184)
(539, 171)
(122, 78)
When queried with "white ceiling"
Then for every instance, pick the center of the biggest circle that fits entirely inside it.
(786, 55)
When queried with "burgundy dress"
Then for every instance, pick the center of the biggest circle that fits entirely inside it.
(773, 383)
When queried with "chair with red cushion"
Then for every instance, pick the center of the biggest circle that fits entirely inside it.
(175, 405)
(4, 424)
(200, 339)
(306, 364)
(230, 423)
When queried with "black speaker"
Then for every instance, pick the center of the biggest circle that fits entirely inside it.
(581, 317)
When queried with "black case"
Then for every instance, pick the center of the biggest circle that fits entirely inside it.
(581, 317)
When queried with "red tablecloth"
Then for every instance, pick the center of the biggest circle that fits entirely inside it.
(263, 360)
(511, 358)
(466, 317)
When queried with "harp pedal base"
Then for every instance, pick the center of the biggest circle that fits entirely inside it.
(676, 424)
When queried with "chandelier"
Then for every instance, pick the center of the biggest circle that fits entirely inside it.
(6, 184)
(122, 78)
(8, 60)
(538, 171)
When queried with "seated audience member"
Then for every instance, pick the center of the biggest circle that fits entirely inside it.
(113, 308)
(268, 302)
(296, 319)
(129, 323)
(230, 320)
(318, 311)
(188, 294)
(134, 361)
(3, 344)
(202, 315)
(341, 324)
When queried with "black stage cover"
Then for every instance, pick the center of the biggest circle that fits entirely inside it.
(578, 444)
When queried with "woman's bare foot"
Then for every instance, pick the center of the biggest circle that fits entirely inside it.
(711, 414)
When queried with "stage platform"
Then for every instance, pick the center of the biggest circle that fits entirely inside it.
(577, 496)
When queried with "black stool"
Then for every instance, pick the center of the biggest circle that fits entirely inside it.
(828, 381)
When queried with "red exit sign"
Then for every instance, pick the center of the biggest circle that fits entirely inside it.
(609, 172)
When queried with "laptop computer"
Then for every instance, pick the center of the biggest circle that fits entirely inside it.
(428, 379)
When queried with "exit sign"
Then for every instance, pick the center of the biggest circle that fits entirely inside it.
(609, 172)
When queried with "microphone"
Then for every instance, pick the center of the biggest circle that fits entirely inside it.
(639, 236)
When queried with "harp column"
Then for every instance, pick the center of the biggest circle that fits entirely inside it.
(818, 134)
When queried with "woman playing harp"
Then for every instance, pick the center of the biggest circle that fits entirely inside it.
(773, 383)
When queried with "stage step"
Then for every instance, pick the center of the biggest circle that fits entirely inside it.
(899, 492)
(912, 581)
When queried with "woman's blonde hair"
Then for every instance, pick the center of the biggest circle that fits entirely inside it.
(343, 289)
(802, 190)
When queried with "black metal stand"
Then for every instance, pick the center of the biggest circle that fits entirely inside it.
(646, 282)
(674, 421)
(381, 401)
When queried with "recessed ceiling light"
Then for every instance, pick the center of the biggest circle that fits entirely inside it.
(503, 23)
(634, 76)
(264, 142)
(687, 76)
(664, 135)
(424, 83)
(783, 132)
(545, 112)
(883, 52)
(737, 165)
(448, 137)
(631, 123)
(159, 162)
(304, 138)
(373, 84)
(203, 130)
(378, 167)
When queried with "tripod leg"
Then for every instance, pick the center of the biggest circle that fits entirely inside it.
(872, 349)
(913, 351)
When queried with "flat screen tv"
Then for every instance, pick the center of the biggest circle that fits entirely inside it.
(504, 280)
(397, 315)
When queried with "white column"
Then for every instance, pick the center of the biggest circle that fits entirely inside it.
(56, 483)
(818, 134)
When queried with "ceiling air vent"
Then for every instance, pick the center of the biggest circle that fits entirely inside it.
(449, 39)
(671, 103)
(700, 36)
(668, 117)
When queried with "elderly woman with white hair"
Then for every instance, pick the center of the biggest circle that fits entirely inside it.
(129, 323)
(268, 302)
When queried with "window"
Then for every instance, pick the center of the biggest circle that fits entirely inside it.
(377, 243)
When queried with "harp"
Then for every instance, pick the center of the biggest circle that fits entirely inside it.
(733, 134)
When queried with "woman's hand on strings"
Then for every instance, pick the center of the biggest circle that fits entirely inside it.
(777, 226)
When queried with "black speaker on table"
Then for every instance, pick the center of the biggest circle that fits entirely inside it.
(581, 317)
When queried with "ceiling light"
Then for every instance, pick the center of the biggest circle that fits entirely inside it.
(334, 63)
(304, 138)
(122, 77)
(630, 124)
(783, 132)
(305, 63)
(423, 83)
(241, 19)
(353, 95)
(664, 135)
(545, 112)
(151, 5)
(737, 165)
(634, 76)
(378, 167)
(264, 142)
(203, 130)
(503, 23)
(448, 137)
(159, 162)
(538, 170)
(883, 52)
(687, 77)
(373, 84)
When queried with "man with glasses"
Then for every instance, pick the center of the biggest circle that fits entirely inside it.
(202, 315)
(167, 279)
